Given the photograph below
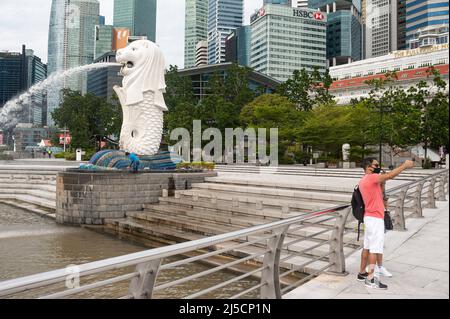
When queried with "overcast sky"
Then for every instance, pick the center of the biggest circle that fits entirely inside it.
(26, 22)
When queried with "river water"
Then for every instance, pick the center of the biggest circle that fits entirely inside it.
(30, 244)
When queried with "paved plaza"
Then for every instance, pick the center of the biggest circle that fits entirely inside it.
(418, 259)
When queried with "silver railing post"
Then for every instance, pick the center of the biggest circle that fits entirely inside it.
(337, 257)
(446, 182)
(271, 274)
(431, 202)
(417, 204)
(399, 216)
(141, 287)
(441, 196)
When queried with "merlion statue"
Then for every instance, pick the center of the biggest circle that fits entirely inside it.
(346, 152)
(141, 97)
(143, 106)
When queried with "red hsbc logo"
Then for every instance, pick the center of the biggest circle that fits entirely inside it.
(308, 14)
(319, 16)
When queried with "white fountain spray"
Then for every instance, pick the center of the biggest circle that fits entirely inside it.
(16, 104)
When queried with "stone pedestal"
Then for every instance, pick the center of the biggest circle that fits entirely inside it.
(90, 197)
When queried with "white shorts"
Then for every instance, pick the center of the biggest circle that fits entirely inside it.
(374, 235)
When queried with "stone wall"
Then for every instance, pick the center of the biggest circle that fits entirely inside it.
(88, 197)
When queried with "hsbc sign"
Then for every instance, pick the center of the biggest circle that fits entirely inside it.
(308, 14)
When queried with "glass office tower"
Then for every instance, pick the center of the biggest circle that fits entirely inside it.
(138, 16)
(196, 29)
(224, 16)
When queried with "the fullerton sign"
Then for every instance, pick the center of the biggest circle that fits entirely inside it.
(405, 53)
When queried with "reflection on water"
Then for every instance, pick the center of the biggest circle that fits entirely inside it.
(31, 244)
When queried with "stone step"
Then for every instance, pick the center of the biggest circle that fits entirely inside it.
(46, 195)
(32, 186)
(230, 180)
(31, 199)
(316, 174)
(211, 215)
(28, 178)
(211, 228)
(252, 201)
(32, 208)
(159, 232)
(7, 181)
(183, 223)
(308, 171)
(168, 235)
(275, 193)
(226, 207)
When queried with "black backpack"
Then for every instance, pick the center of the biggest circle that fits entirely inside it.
(358, 207)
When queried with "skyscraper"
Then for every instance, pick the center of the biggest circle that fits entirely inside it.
(20, 71)
(424, 13)
(283, 2)
(224, 16)
(71, 43)
(196, 28)
(138, 16)
(103, 39)
(401, 25)
(201, 56)
(286, 39)
(344, 29)
(238, 46)
(381, 27)
(300, 3)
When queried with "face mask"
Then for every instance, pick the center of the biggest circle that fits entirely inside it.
(377, 170)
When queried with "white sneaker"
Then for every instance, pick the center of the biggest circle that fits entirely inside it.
(382, 271)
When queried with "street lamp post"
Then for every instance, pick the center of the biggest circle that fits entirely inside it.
(381, 135)
(65, 138)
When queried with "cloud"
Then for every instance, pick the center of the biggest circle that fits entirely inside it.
(26, 22)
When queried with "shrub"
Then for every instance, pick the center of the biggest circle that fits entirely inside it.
(6, 157)
(196, 165)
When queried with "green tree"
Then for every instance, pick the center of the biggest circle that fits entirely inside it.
(307, 90)
(296, 89)
(433, 103)
(327, 128)
(397, 118)
(87, 117)
(275, 111)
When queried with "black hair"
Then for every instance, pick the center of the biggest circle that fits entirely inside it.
(368, 162)
(126, 153)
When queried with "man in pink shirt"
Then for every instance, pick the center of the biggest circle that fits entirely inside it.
(371, 191)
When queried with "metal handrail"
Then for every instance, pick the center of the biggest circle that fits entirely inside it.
(148, 263)
(413, 183)
(25, 283)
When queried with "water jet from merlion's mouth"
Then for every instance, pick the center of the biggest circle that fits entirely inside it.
(7, 119)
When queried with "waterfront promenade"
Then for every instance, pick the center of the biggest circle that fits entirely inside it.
(418, 259)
